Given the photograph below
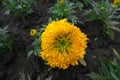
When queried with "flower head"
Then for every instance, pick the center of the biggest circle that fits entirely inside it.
(33, 32)
(116, 1)
(63, 44)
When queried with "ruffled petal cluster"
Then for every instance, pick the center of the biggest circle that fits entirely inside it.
(63, 44)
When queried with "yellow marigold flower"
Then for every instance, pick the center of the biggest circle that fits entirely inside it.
(63, 44)
(116, 1)
(33, 32)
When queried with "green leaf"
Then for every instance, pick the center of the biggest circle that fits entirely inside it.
(104, 67)
(1, 44)
(49, 78)
(82, 61)
(96, 76)
(22, 76)
(7, 12)
(111, 33)
(116, 54)
(37, 51)
(115, 28)
(50, 19)
(5, 28)
(113, 74)
(29, 53)
(38, 77)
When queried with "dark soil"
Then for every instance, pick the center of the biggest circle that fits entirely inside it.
(14, 64)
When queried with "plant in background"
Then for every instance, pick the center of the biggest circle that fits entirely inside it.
(20, 8)
(5, 41)
(101, 10)
(82, 3)
(63, 44)
(104, 12)
(24, 76)
(63, 9)
(109, 70)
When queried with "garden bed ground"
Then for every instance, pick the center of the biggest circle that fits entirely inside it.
(14, 63)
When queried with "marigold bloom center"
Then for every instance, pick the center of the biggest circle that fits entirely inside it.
(63, 44)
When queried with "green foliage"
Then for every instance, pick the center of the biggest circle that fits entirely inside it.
(20, 8)
(49, 78)
(82, 3)
(5, 41)
(36, 44)
(110, 70)
(63, 10)
(103, 11)
(95, 76)
(83, 62)
(117, 14)
(24, 76)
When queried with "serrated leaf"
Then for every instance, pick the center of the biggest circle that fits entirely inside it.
(82, 61)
